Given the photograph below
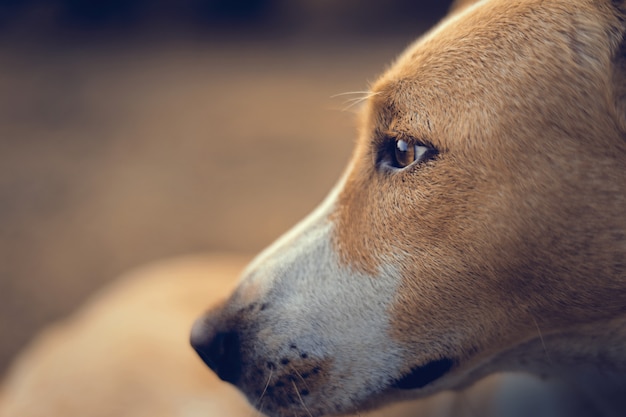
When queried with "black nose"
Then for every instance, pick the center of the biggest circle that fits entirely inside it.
(220, 350)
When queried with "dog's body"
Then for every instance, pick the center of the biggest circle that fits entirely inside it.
(122, 354)
(480, 227)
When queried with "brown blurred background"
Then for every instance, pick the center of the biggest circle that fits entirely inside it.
(132, 130)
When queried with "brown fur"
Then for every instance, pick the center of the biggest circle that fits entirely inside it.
(518, 225)
(504, 252)
(510, 243)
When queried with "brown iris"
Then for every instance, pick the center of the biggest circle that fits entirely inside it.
(405, 153)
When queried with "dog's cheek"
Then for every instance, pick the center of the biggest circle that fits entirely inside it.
(418, 224)
(444, 317)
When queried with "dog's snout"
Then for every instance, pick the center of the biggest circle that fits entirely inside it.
(219, 348)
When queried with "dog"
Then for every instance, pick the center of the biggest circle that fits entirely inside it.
(500, 247)
(480, 227)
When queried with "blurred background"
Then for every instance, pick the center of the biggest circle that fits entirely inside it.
(132, 130)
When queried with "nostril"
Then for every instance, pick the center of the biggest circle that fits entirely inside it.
(224, 351)
(221, 351)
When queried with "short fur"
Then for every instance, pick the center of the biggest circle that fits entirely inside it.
(503, 253)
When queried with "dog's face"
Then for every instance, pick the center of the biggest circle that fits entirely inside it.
(484, 202)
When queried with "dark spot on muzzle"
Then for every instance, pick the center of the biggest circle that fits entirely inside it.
(421, 376)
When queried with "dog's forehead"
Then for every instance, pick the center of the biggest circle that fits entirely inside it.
(495, 33)
(511, 54)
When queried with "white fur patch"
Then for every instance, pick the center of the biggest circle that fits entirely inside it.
(330, 311)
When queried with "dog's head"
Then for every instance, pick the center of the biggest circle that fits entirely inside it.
(484, 202)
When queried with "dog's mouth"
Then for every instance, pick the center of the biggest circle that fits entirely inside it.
(423, 375)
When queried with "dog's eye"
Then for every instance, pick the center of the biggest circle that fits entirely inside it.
(400, 153)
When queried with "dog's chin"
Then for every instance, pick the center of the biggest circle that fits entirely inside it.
(417, 383)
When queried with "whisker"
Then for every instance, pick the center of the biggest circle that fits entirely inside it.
(355, 99)
(354, 102)
(258, 404)
(358, 100)
(267, 384)
(299, 376)
(295, 387)
(347, 93)
(259, 409)
(543, 343)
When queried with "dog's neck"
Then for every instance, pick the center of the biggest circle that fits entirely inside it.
(598, 347)
(592, 357)
(593, 371)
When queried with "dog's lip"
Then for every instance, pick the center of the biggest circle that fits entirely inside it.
(422, 375)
